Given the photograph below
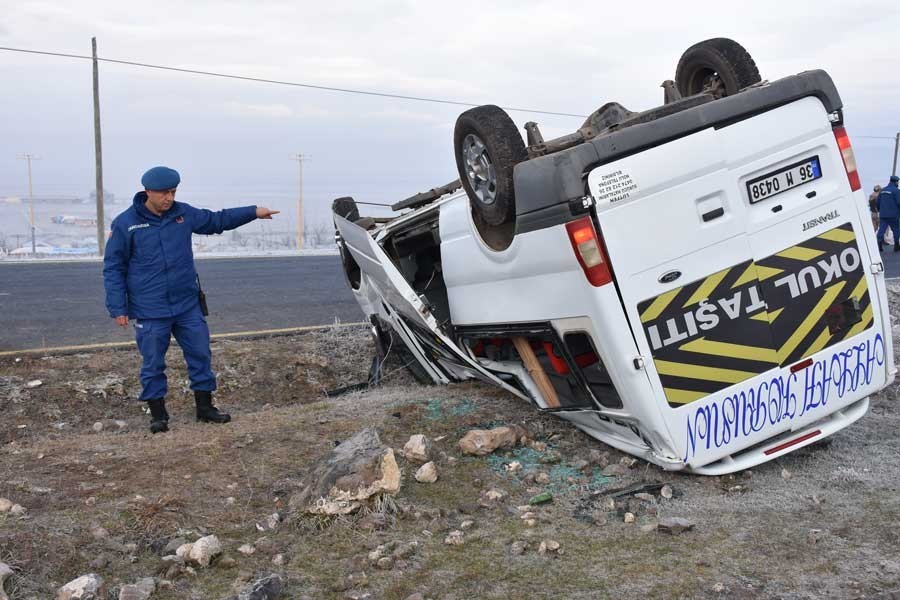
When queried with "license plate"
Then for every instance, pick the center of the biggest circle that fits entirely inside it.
(784, 179)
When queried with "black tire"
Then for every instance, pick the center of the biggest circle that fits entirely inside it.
(494, 202)
(720, 62)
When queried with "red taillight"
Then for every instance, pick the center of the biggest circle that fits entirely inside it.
(801, 365)
(589, 251)
(843, 142)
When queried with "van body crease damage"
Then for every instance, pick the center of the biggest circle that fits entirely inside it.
(749, 328)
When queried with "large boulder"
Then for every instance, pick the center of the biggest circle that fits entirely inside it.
(354, 471)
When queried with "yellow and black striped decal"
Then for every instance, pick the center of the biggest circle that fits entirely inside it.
(744, 320)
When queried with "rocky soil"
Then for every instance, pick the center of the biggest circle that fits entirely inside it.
(93, 505)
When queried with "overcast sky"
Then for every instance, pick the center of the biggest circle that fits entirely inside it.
(232, 140)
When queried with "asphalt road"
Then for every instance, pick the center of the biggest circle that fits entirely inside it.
(61, 304)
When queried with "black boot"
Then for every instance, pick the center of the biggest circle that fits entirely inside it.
(206, 411)
(880, 246)
(896, 246)
(159, 416)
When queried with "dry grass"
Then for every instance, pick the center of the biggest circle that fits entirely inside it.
(200, 479)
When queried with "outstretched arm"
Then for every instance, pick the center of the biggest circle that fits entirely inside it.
(207, 222)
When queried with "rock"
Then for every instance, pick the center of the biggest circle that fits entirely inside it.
(5, 505)
(629, 517)
(278, 560)
(17, 510)
(142, 590)
(184, 551)
(541, 498)
(481, 442)
(648, 527)
(100, 562)
(427, 473)
(786, 475)
(548, 547)
(542, 478)
(675, 525)
(417, 449)
(246, 549)
(267, 588)
(645, 496)
(33, 384)
(226, 562)
(600, 459)
(491, 497)
(814, 536)
(203, 550)
(539, 446)
(614, 470)
(97, 427)
(120, 424)
(173, 546)
(455, 538)
(350, 474)
(416, 596)
(270, 524)
(404, 551)
(385, 563)
(86, 587)
(719, 588)
(467, 524)
(5, 573)
(666, 492)
(628, 462)
(513, 466)
(518, 548)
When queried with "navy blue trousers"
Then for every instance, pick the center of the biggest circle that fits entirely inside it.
(894, 224)
(192, 334)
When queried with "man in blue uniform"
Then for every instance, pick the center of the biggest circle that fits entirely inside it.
(889, 213)
(149, 275)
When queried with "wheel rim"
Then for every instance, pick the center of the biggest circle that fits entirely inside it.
(480, 169)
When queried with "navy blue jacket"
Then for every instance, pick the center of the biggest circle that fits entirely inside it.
(889, 201)
(148, 266)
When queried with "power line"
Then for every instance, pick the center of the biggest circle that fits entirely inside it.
(288, 83)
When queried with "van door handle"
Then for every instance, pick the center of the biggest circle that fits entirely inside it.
(713, 214)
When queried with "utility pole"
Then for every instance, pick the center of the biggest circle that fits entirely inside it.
(28, 158)
(896, 147)
(98, 151)
(300, 158)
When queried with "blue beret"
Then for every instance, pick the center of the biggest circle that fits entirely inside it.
(894, 178)
(160, 178)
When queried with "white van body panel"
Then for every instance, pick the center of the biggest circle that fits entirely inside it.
(685, 241)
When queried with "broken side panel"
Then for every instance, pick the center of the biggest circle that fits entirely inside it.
(431, 341)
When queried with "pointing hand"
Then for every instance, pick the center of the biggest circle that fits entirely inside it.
(264, 213)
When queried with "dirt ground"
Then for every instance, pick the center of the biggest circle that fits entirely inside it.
(821, 522)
